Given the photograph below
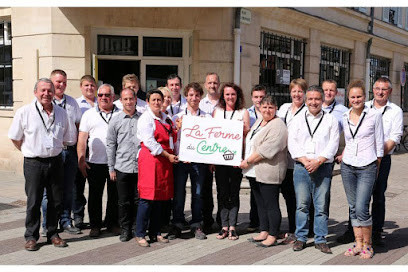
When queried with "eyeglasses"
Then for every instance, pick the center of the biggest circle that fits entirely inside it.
(379, 89)
(104, 94)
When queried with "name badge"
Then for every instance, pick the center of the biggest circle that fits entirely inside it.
(171, 143)
(48, 140)
(353, 147)
(310, 146)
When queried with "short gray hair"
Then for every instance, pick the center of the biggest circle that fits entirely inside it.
(316, 88)
(112, 90)
(383, 79)
(46, 80)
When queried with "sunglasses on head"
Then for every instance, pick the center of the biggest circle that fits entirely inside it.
(104, 94)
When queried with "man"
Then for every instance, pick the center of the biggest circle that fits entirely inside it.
(330, 104)
(122, 148)
(257, 93)
(193, 93)
(208, 104)
(85, 102)
(313, 141)
(69, 155)
(131, 81)
(393, 128)
(178, 102)
(92, 133)
(40, 130)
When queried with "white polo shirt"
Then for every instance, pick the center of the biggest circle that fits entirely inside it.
(70, 105)
(43, 136)
(393, 121)
(84, 105)
(207, 106)
(141, 105)
(95, 123)
(173, 109)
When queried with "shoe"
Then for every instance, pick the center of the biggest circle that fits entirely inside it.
(299, 245)
(31, 245)
(346, 238)
(72, 230)
(233, 235)
(378, 240)
(161, 239)
(174, 233)
(323, 247)
(354, 251)
(252, 240)
(259, 244)
(58, 242)
(367, 252)
(43, 233)
(125, 236)
(141, 241)
(95, 232)
(290, 238)
(115, 230)
(199, 234)
(222, 234)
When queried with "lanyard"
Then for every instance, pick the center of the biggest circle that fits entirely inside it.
(286, 115)
(178, 110)
(42, 119)
(111, 114)
(256, 115)
(199, 112)
(62, 105)
(225, 115)
(318, 124)
(359, 125)
(256, 130)
(169, 131)
(385, 108)
(334, 104)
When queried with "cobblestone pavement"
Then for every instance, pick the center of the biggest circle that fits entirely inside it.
(186, 250)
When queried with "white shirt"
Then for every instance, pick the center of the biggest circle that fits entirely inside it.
(368, 143)
(141, 105)
(173, 109)
(337, 110)
(145, 131)
(70, 105)
(325, 141)
(393, 121)
(95, 123)
(230, 115)
(199, 113)
(84, 105)
(40, 139)
(207, 106)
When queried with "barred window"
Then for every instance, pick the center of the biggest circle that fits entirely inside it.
(378, 67)
(404, 91)
(6, 78)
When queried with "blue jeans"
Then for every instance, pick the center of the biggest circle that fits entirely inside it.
(70, 164)
(197, 172)
(358, 184)
(148, 213)
(316, 186)
(378, 206)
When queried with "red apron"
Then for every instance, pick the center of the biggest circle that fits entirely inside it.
(156, 172)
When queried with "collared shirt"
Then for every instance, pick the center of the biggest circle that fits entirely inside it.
(393, 121)
(70, 105)
(122, 145)
(207, 106)
(95, 123)
(368, 143)
(337, 110)
(141, 105)
(43, 135)
(146, 128)
(84, 105)
(324, 142)
(253, 115)
(173, 109)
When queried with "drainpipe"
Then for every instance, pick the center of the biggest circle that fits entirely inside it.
(237, 47)
(368, 50)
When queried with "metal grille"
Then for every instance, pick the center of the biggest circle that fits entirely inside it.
(281, 60)
(6, 78)
(335, 64)
(378, 67)
(404, 91)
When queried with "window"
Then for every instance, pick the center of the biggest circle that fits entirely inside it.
(378, 67)
(281, 60)
(393, 16)
(406, 18)
(117, 45)
(162, 47)
(334, 64)
(404, 91)
(6, 78)
(360, 9)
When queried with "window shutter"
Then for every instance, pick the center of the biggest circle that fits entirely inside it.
(386, 14)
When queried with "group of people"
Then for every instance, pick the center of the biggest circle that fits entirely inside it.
(132, 146)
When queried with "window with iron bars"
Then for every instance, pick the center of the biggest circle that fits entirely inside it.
(281, 60)
(404, 91)
(379, 67)
(334, 64)
(6, 79)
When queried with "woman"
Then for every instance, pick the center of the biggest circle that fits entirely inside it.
(265, 165)
(363, 132)
(157, 136)
(228, 178)
(287, 111)
(166, 98)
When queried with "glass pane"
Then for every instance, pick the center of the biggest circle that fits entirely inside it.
(118, 45)
(156, 75)
(162, 47)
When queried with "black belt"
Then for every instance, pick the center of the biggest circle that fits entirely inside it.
(70, 147)
(44, 159)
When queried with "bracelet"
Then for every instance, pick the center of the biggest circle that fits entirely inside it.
(248, 162)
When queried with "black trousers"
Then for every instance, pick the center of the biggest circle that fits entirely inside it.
(128, 199)
(98, 175)
(253, 211)
(43, 173)
(78, 198)
(288, 192)
(207, 198)
(267, 200)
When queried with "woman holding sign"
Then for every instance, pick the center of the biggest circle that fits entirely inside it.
(265, 166)
(363, 132)
(228, 178)
(157, 136)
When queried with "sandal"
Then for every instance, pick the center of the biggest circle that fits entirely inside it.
(233, 235)
(222, 234)
(354, 251)
(367, 252)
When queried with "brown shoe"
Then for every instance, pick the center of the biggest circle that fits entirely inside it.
(161, 239)
(141, 241)
(323, 247)
(58, 242)
(114, 230)
(95, 232)
(31, 245)
(299, 245)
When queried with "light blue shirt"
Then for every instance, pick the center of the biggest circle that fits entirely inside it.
(337, 110)
(253, 116)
